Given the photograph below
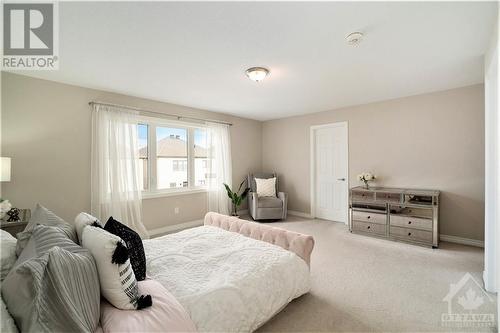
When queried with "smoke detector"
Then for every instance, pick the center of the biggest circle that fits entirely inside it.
(354, 38)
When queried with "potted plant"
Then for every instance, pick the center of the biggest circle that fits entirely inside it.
(236, 199)
(366, 177)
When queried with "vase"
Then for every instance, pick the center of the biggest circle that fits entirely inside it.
(234, 210)
(366, 185)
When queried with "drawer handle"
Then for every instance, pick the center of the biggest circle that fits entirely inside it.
(409, 234)
(368, 217)
(409, 222)
(368, 227)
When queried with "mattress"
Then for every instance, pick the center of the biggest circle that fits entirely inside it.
(226, 281)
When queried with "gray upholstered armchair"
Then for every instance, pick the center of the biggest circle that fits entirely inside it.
(266, 208)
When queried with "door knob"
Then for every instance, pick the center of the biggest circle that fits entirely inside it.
(341, 179)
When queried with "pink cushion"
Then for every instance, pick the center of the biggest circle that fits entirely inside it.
(300, 244)
(165, 315)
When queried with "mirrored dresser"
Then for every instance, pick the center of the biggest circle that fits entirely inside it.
(407, 215)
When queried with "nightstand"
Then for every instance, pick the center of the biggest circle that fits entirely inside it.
(15, 227)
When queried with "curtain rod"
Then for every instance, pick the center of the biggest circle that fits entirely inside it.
(155, 113)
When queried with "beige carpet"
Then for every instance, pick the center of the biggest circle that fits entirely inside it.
(363, 284)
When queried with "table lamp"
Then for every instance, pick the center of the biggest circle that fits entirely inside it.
(5, 169)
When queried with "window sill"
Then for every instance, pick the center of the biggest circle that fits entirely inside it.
(172, 193)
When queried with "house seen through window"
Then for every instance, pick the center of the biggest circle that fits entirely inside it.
(172, 157)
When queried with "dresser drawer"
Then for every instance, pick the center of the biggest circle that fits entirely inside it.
(411, 211)
(388, 197)
(411, 234)
(369, 217)
(411, 222)
(362, 196)
(372, 228)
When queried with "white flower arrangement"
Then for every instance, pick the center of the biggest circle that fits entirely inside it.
(366, 177)
(5, 206)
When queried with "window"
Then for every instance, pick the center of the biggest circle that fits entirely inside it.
(180, 165)
(172, 157)
(142, 130)
(200, 156)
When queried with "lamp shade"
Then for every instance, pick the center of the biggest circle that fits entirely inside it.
(5, 169)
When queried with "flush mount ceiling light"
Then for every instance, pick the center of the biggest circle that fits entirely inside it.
(354, 38)
(257, 73)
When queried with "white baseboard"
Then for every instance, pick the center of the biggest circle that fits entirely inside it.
(489, 285)
(191, 224)
(485, 280)
(460, 240)
(174, 228)
(181, 226)
(299, 214)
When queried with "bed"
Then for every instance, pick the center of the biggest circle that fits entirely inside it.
(229, 274)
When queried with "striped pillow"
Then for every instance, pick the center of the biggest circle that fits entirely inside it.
(117, 278)
(43, 216)
(60, 285)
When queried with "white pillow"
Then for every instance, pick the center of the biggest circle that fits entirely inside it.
(117, 279)
(81, 221)
(266, 187)
(7, 253)
(8, 325)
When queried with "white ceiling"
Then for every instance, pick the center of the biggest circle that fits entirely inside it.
(195, 54)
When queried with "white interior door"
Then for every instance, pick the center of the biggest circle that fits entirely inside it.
(330, 190)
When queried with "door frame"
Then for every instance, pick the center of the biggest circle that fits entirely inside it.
(312, 164)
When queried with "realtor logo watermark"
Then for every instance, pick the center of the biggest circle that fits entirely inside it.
(30, 36)
(469, 305)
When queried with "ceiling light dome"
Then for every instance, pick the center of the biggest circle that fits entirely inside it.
(257, 73)
(354, 38)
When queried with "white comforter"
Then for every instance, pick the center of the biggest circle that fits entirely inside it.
(227, 282)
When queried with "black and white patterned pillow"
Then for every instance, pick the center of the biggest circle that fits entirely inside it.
(83, 220)
(116, 276)
(134, 246)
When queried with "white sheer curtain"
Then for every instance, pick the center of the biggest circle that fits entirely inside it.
(219, 167)
(116, 187)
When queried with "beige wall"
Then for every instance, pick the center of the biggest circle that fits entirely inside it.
(46, 130)
(431, 141)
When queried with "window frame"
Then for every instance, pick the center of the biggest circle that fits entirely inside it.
(152, 191)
